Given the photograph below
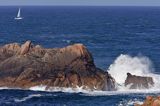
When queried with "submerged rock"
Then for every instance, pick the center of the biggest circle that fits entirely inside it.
(138, 82)
(28, 65)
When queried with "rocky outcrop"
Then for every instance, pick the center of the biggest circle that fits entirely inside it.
(150, 101)
(25, 48)
(26, 65)
(138, 82)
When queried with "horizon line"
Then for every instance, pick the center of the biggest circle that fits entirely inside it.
(92, 5)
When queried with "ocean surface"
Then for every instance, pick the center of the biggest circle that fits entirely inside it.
(121, 40)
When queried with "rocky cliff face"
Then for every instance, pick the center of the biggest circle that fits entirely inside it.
(138, 82)
(27, 65)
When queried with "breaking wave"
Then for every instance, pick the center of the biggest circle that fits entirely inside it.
(137, 65)
(59, 89)
(134, 65)
(27, 97)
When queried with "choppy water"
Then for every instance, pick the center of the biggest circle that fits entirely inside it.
(20, 97)
(126, 37)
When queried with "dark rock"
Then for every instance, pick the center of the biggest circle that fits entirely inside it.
(138, 82)
(27, 66)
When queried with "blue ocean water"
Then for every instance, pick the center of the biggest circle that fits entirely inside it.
(107, 32)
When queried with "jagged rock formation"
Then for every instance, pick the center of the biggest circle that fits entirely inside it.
(138, 82)
(27, 65)
(25, 48)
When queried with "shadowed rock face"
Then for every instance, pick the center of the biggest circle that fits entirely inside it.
(138, 82)
(27, 65)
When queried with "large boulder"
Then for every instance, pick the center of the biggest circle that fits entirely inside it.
(26, 65)
(138, 82)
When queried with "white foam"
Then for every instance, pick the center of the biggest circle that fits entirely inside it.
(27, 98)
(130, 102)
(67, 41)
(59, 89)
(93, 92)
(125, 63)
(137, 65)
(38, 88)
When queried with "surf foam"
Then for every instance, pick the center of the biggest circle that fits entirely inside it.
(137, 65)
(130, 102)
(27, 97)
(59, 89)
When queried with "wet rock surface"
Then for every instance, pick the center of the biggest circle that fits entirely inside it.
(29, 65)
(138, 82)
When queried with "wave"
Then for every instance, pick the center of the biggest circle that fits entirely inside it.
(137, 65)
(59, 89)
(27, 97)
(130, 102)
(85, 92)
(66, 41)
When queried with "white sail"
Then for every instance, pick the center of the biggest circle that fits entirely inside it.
(19, 13)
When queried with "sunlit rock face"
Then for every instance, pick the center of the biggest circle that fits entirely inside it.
(138, 82)
(29, 65)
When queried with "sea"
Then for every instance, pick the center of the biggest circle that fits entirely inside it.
(121, 39)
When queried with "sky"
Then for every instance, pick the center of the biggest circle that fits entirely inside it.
(83, 2)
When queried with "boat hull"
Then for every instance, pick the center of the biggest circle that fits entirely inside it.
(18, 18)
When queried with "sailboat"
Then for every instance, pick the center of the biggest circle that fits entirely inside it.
(18, 15)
